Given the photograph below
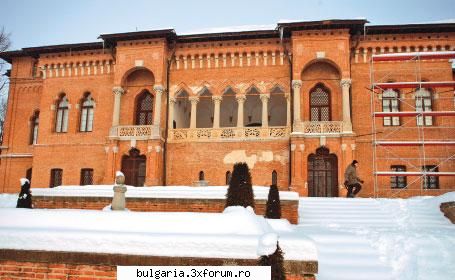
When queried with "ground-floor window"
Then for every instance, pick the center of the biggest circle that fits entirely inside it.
(86, 176)
(430, 182)
(398, 182)
(56, 177)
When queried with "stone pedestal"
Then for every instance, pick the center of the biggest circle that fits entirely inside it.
(119, 201)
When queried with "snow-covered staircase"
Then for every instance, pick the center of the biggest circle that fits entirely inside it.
(331, 223)
(365, 238)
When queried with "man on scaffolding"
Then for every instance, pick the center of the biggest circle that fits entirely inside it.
(351, 180)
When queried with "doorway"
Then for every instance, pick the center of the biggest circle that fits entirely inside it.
(322, 174)
(133, 167)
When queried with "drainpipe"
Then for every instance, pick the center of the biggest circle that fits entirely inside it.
(281, 32)
(168, 76)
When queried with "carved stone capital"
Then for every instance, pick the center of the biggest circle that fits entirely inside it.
(217, 98)
(346, 83)
(172, 100)
(118, 90)
(240, 98)
(296, 84)
(264, 97)
(193, 99)
(159, 89)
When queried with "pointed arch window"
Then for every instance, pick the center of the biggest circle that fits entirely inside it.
(320, 104)
(87, 106)
(61, 123)
(144, 109)
(390, 103)
(34, 128)
(424, 104)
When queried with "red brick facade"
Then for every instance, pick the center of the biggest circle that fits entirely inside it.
(202, 82)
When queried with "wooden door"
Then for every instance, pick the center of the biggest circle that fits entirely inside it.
(322, 174)
(133, 167)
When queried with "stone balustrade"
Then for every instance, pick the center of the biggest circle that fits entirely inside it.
(331, 127)
(228, 133)
(135, 132)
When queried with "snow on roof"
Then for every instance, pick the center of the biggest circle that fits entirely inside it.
(227, 29)
(212, 192)
(233, 234)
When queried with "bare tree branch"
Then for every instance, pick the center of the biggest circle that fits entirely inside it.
(5, 43)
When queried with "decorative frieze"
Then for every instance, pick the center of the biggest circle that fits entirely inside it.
(228, 133)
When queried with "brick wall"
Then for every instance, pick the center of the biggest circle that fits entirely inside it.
(289, 208)
(20, 264)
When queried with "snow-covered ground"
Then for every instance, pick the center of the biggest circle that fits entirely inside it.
(236, 233)
(361, 238)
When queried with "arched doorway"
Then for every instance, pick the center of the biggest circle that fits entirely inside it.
(133, 167)
(323, 173)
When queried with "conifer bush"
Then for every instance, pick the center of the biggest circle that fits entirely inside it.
(240, 190)
(273, 207)
(276, 262)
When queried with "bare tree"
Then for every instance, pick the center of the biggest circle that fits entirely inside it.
(4, 45)
(3, 105)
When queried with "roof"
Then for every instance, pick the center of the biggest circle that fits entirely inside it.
(223, 36)
(354, 25)
(35, 51)
(112, 39)
(283, 29)
(410, 28)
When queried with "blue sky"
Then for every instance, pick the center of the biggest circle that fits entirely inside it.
(47, 22)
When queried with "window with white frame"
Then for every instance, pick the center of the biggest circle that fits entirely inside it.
(61, 123)
(424, 104)
(34, 128)
(390, 103)
(86, 123)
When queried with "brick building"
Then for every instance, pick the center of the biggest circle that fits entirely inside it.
(293, 102)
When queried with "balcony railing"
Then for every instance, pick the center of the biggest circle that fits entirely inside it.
(228, 133)
(135, 132)
(316, 128)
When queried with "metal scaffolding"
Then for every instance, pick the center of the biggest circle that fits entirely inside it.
(410, 147)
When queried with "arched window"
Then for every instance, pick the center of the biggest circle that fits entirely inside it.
(390, 103)
(424, 104)
(34, 128)
(274, 178)
(56, 177)
(61, 123)
(320, 104)
(87, 106)
(228, 177)
(144, 109)
(201, 176)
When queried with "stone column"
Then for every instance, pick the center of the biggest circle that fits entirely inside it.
(240, 100)
(296, 86)
(194, 100)
(157, 110)
(118, 91)
(216, 114)
(172, 102)
(265, 115)
(347, 124)
(288, 109)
